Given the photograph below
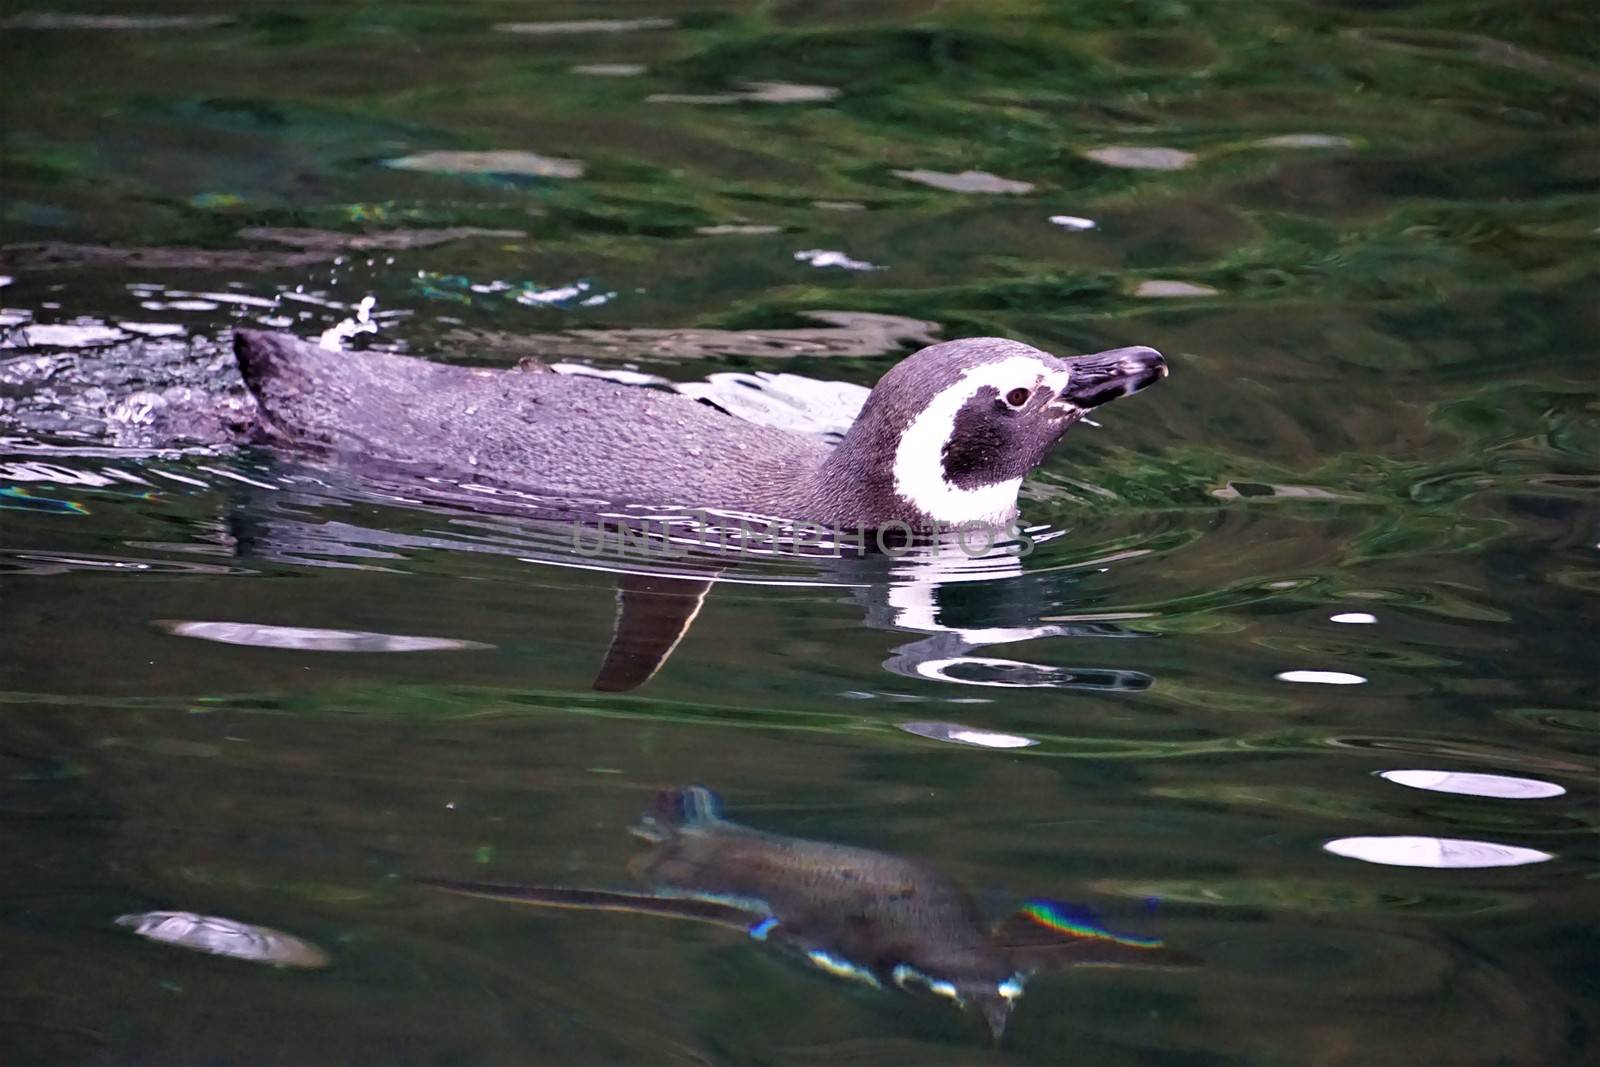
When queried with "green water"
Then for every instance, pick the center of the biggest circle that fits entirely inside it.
(1384, 406)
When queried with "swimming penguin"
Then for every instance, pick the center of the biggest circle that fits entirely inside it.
(944, 440)
(886, 921)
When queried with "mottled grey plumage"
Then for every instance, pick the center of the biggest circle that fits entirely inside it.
(585, 439)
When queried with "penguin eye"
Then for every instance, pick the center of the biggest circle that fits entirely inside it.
(1018, 397)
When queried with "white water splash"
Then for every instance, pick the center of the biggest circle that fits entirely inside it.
(334, 337)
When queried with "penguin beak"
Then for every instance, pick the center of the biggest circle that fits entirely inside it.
(1105, 376)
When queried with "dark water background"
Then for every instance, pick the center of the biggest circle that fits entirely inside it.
(1384, 406)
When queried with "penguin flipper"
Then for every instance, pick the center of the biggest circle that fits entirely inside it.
(717, 913)
(654, 612)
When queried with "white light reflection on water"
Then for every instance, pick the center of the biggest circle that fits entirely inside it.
(968, 181)
(1142, 157)
(1072, 222)
(965, 735)
(1016, 674)
(1436, 852)
(82, 334)
(1468, 783)
(558, 295)
(1321, 677)
(56, 20)
(541, 29)
(155, 329)
(1171, 288)
(225, 937)
(311, 639)
(609, 70)
(822, 257)
(753, 92)
(507, 161)
(1305, 140)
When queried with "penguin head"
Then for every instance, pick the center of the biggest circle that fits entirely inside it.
(952, 430)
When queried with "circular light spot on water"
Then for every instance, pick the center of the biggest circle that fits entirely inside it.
(958, 734)
(1321, 677)
(1354, 618)
(1500, 786)
(1402, 851)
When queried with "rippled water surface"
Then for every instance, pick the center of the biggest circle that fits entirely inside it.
(1300, 676)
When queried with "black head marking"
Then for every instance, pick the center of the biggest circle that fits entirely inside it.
(993, 440)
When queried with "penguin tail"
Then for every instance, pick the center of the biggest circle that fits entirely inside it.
(297, 389)
(263, 356)
(675, 810)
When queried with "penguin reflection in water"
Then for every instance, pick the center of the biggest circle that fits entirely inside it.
(886, 921)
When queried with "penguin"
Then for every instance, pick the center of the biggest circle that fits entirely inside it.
(854, 913)
(944, 439)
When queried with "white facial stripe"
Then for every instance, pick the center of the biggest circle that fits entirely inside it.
(918, 462)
